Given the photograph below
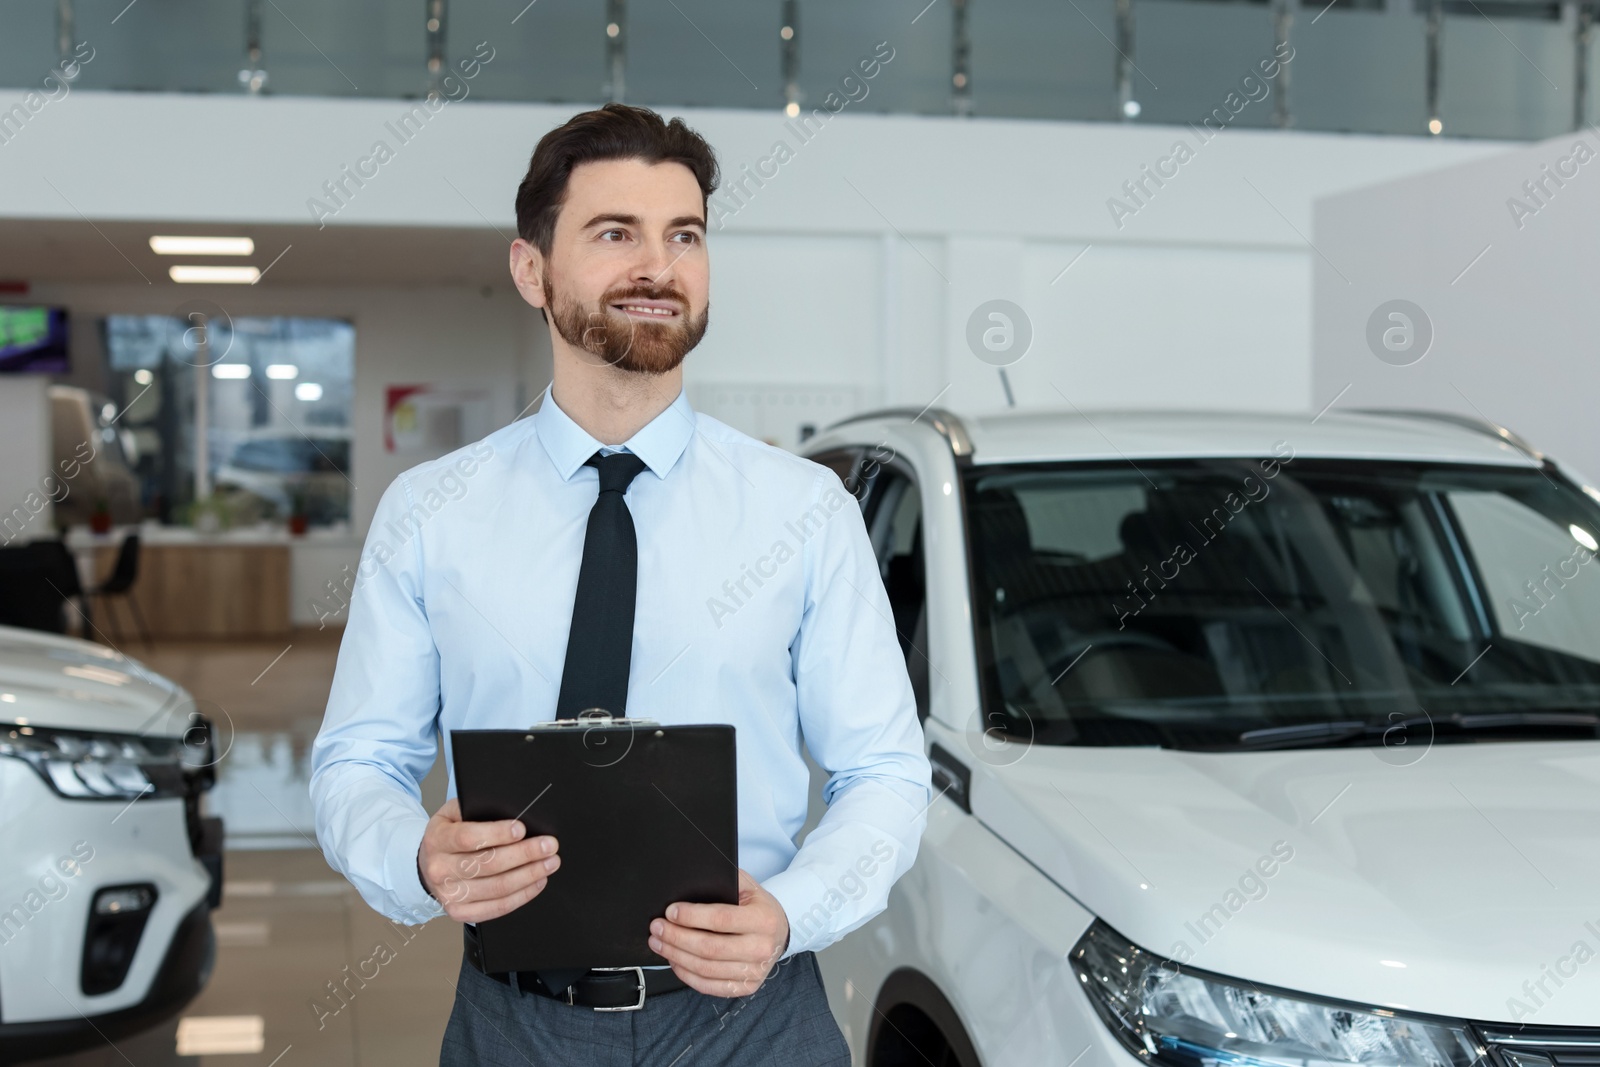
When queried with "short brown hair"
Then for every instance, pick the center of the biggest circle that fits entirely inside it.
(615, 131)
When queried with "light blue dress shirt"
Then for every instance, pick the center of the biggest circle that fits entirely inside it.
(760, 604)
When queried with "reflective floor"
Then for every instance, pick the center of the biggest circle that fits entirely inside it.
(289, 925)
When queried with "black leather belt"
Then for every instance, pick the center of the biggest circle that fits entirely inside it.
(602, 988)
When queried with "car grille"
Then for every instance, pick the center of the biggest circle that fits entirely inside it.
(1534, 1046)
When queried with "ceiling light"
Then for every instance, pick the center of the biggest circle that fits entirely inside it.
(282, 370)
(218, 275)
(143, 376)
(308, 391)
(202, 246)
(230, 370)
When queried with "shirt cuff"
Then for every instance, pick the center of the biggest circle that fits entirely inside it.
(415, 905)
(800, 892)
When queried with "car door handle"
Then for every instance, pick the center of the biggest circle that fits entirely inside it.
(951, 777)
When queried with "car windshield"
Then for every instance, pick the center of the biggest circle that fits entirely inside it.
(1274, 602)
(293, 455)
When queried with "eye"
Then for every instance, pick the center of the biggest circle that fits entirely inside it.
(602, 235)
(693, 237)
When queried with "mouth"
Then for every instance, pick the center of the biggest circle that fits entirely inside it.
(657, 310)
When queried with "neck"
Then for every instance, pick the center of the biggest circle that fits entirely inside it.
(610, 404)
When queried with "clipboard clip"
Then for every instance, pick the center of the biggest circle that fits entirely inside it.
(590, 717)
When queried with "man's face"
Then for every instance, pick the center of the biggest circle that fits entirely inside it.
(628, 276)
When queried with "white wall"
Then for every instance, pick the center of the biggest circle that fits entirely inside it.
(26, 510)
(855, 264)
(1514, 331)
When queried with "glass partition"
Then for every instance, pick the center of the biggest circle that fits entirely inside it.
(272, 398)
(1502, 68)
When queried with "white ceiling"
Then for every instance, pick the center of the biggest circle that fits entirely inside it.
(37, 251)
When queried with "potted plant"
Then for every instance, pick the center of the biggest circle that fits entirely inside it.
(209, 514)
(100, 516)
(299, 520)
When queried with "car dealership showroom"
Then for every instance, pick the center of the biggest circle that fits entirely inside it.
(1137, 599)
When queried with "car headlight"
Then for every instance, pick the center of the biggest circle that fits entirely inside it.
(1167, 1013)
(84, 765)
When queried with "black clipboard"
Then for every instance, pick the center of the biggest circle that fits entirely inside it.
(646, 814)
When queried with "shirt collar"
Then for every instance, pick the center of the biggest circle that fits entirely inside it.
(658, 442)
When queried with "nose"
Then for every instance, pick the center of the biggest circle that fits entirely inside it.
(653, 267)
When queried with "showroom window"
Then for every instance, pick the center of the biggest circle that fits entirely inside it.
(270, 397)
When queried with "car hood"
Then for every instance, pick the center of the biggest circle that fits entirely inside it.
(52, 681)
(1452, 879)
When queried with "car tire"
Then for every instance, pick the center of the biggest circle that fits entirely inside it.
(915, 1024)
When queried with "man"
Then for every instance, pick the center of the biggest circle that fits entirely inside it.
(488, 583)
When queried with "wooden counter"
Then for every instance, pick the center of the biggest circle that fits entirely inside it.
(203, 589)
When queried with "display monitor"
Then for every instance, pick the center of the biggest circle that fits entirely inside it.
(33, 340)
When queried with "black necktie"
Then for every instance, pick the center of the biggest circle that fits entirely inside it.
(600, 642)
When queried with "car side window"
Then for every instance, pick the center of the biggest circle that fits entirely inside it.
(846, 463)
(895, 525)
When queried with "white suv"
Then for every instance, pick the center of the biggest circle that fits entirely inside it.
(1257, 740)
(109, 868)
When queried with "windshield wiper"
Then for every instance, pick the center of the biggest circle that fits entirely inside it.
(1312, 734)
(1304, 733)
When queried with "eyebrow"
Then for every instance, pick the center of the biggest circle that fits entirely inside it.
(633, 220)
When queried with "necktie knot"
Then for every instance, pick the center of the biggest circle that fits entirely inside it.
(616, 470)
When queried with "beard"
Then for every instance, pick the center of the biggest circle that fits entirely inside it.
(629, 344)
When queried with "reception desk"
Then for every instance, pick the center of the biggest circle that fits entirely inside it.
(237, 584)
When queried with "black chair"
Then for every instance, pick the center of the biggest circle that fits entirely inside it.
(36, 581)
(120, 584)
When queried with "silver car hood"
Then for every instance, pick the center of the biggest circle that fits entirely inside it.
(53, 681)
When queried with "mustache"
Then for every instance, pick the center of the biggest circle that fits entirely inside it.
(645, 294)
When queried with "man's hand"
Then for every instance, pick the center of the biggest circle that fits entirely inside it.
(724, 950)
(482, 870)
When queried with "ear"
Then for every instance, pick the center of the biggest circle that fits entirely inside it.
(527, 271)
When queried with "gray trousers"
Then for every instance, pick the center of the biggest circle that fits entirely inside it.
(785, 1023)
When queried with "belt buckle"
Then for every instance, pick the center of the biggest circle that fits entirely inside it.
(638, 973)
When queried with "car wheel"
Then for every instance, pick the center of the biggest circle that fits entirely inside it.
(914, 1025)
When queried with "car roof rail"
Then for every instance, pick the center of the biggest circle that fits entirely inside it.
(945, 423)
(1468, 422)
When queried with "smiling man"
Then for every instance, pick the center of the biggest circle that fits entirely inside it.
(567, 561)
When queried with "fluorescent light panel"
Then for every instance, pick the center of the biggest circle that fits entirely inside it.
(214, 275)
(201, 246)
(230, 370)
(282, 370)
(209, 1035)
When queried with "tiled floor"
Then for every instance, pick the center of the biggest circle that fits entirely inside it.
(289, 925)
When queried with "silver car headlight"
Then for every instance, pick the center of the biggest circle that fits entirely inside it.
(1169, 1014)
(85, 765)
